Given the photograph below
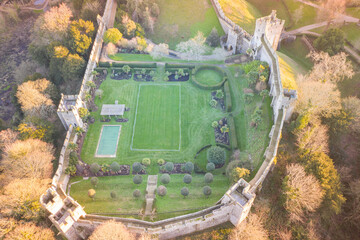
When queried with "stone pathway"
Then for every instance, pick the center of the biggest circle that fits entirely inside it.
(150, 193)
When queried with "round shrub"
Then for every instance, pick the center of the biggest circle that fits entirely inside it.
(73, 158)
(115, 167)
(213, 103)
(187, 178)
(216, 155)
(165, 178)
(95, 168)
(91, 193)
(219, 94)
(137, 167)
(207, 191)
(214, 124)
(208, 178)
(210, 167)
(146, 161)
(161, 190)
(189, 167)
(94, 181)
(136, 193)
(161, 161)
(243, 163)
(113, 195)
(169, 166)
(184, 191)
(137, 179)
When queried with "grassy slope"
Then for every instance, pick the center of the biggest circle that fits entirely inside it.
(297, 52)
(157, 119)
(181, 20)
(196, 119)
(208, 76)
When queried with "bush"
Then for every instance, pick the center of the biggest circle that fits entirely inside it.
(136, 193)
(137, 179)
(104, 64)
(146, 161)
(112, 35)
(207, 191)
(189, 167)
(219, 94)
(161, 161)
(210, 167)
(185, 191)
(113, 195)
(115, 167)
(238, 173)
(233, 137)
(187, 178)
(228, 102)
(213, 103)
(242, 163)
(216, 155)
(214, 124)
(95, 168)
(161, 190)
(165, 178)
(169, 166)
(91, 193)
(208, 178)
(137, 167)
(94, 181)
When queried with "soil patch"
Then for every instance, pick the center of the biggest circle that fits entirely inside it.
(220, 101)
(141, 76)
(118, 74)
(222, 136)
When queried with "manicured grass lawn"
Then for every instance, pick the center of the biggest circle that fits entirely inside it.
(208, 76)
(158, 120)
(180, 20)
(174, 201)
(196, 119)
(354, 11)
(103, 203)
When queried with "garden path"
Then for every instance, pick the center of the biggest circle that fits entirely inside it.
(150, 193)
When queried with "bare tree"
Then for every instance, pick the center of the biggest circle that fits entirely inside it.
(351, 106)
(250, 229)
(7, 137)
(111, 230)
(6, 225)
(330, 9)
(353, 215)
(314, 137)
(30, 231)
(298, 14)
(302, 192)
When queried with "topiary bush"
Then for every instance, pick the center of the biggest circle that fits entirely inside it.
(113, 195)
(189, 167)
(94, 181)
(187, 178)
(208, 177)
(207, 191)
(161, 161)
(136, 193)
(115, 167)
(73, 158)
(161, 190)
(137, 167)
(210, 167)
(91, 193)
(169, 166)
(146, 161)
(216, 155)
(185, 191)
(137, 179)
(95, 168)
(165, 178)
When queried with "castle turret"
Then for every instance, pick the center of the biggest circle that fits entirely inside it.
(68, 111)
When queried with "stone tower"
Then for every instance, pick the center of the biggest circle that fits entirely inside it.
(271, 26)
(68, 111)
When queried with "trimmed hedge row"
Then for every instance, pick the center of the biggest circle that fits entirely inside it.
(98, 69)
(178, 65)
(228, 103)
(207, 87)
(223, 146)
(233, 138)
(132, 65)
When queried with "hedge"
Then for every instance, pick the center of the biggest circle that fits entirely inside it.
(104, 64)
(233, 138)
(178, 65)
(224, 146)
(100, 69)
(135, 65)
(207, 87)
(228, 103)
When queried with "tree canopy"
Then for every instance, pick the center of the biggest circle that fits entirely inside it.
(332, 41)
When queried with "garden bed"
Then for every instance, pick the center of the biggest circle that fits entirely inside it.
(83, 169)
(220, 101)
(119, 74)
(222, 136)
(143, 75)
(131, 50)
(178, 75)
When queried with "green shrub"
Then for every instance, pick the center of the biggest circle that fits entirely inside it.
(214, 124)
(213, 103)
(113, 195)
(137, 179)
(232, 135)
(115, 167)
(95, 168)
(178, 65)
(187, 178)
(169, 166)
(73, 158)
(216, 155)
(210, 167)
(104, 64)
(207, 191)
(219, 94)
(146, 161)
(228, 102)
(136, 193)
(94, 181)
(112, 35)
(208, 178)
(161, 161)
(165, 178)
(242, 163)
(71, 170)
(189, 167)
(137, 167)
(185, 191)
(161, 190)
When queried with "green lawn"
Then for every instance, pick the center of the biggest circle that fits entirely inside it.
(196, 119)
(180, 20)
(157, 120)
(103, 203)
(208, 76)
(297, 51)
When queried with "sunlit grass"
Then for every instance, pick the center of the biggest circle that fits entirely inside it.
(288, 70)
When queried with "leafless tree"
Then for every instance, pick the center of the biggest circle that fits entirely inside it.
(250, 229)
(111, 230)
(30, 231)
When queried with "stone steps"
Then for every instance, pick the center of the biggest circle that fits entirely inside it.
(150, 193)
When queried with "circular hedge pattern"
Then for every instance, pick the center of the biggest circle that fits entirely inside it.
(209, 77)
